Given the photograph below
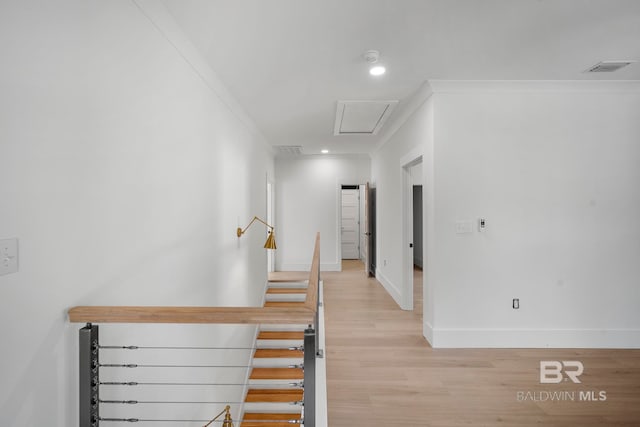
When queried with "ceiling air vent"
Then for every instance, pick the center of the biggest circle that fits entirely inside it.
(289, 150)
(608, 66)
(362, 117)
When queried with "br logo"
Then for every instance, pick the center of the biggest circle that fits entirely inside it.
(554, 371)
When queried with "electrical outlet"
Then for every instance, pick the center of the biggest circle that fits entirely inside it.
(8, 256)
(516, 303)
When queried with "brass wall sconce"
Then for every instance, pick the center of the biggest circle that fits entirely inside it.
(227, 418)
(271, 240)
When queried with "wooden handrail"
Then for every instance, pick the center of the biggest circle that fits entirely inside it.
(311, 300)
(236, 315)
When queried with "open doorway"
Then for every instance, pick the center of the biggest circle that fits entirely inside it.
(367, 228)
(357, 225)
(418, 241)
(270, 220)
(411, 220)
(350, 222)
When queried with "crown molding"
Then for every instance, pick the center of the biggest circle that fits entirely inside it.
(163, 21)
(460, 86)
(403, 112)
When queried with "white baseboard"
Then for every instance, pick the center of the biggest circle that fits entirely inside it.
(390, 287)
(427, 331)
(532, 338)
(264, 293)
(245, 388)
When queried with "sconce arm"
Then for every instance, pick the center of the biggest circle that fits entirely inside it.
(240, 231)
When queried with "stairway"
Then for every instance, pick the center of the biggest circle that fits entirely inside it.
(286, 294)
(275, 383)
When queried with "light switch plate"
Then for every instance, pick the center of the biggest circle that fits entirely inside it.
(8, 256)
(464, 227)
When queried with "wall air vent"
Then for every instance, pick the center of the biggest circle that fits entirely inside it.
(362, 117)
(608, 66)
(288, 150)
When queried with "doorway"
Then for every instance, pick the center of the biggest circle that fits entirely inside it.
(350, 222)
(411, 177)
(270, 220)
(417, 225)
(370, 262)
(418, 251)
(367, 228)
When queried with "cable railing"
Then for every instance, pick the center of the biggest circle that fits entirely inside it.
(153, 383)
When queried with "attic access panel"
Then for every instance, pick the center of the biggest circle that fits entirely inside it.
(362, 117)
(608, 66)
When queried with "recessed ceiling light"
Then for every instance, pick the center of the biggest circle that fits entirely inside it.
(377, 70)
(324, 151)
(372, 57)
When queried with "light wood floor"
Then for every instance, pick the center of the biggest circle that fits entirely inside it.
(382, 372)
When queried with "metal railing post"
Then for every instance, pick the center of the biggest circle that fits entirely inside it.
(89, 378)
(319, 351)
(310, 377)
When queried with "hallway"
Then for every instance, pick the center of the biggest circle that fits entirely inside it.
(382, 372)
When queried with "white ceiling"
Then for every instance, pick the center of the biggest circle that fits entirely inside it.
(288, 62)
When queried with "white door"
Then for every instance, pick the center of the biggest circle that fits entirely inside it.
(350, 227)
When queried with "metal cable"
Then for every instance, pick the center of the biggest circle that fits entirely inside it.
(138, 347)
(135, 420)
(134, 365)
(134, 383)
(146, 402)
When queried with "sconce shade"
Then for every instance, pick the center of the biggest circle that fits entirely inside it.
(271, 241)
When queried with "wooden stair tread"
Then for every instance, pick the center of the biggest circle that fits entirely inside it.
(260, 423)
(272, 416)
(277, 374)
(260, 419)
(285, 353)
(277, 291)
(284, 304)
(281, 335)
(274, 395)
(288, 276)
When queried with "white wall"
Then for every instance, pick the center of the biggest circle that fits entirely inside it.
(308, 201)
(124, 172)
(410, 141)
(553, 168)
